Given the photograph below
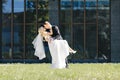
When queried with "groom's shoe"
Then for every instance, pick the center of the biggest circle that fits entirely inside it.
(67, 66)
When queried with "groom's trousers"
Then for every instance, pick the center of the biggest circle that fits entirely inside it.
(66, 61)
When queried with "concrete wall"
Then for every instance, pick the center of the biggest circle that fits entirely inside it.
(54, 12)
(115, 30)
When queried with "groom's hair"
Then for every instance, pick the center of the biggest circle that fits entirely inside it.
(42, 25)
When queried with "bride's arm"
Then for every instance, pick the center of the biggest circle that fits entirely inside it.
(41, 31)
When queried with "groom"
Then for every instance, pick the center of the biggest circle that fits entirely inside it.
(55, 34)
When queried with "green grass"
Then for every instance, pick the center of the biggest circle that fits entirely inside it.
(75, 72)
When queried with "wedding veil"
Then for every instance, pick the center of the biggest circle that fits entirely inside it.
(38, 46)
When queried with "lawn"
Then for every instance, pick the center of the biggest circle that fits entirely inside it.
(85, 71)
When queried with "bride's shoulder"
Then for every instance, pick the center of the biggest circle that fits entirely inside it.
(41, 28)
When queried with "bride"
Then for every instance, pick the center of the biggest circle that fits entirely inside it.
(59, 48)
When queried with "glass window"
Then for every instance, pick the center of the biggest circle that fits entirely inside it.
(66, 4)
(78, 11)
(91, 11)
(65, 14)
(43, 10)
(6, 41)
(91, 4)
(103, 11)
(18, 5)
(91, 41)
(78, 41)
(31, 11)
(65, 30)
(104, 4)
(78, 21)
(91, 16)
(83, 24)
(6, 29)
(6, 12)
(6, 6)
(78, 4)
(30, 35)
(104, 40)
(78, 16)
(18, 11)
(18, 48)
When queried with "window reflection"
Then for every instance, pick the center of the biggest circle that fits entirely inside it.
(104, 40)
(18, 48)
(103, 11)
(6, 41)
(42, 10)
(18, 11)
(30, 35)
(91, 41)
(91, 11)
(78, 16)
(78, 4)
(91, 4)
(6, 29)
(30, 11)
(65, 11)
(65, 4)
(103, 4)
(91, 16)
(6, 6)
(78, 21)
(30, 4)
(78, 41)
(78, 11)
(18, 5)
(65, 30)
(104, 29)
(6, 12)
(103, 16)
(85, 12)
(65, 16)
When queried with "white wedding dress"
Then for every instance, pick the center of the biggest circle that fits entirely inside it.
(59, 50)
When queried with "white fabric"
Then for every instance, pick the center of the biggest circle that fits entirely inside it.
(39, 48)
(59, 51)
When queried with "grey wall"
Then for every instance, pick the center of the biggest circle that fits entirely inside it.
(115, 30)
(53, 12)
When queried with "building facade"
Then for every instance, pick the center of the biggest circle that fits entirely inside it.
(90, 26)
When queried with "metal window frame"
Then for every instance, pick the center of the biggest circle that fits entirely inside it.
(72, 23)
(1, 29)
(85, 23)
(12, 28)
